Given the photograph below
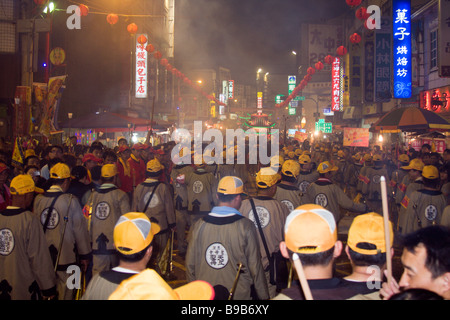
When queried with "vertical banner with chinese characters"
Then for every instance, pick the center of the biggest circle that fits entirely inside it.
(444, 38)
(355, 74)
(335, 85)
(383, 56)
(141, 70)
(401, 24)
(369, 61)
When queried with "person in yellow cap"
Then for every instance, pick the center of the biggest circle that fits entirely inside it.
(25, 264)
(178, 175)
(362, 178)
(366, 250)
(287, 191)
(271, 214)
(133, 236)
(414, 169)
(64, 226)
(108, 203)
(371, 188)
(325, 193)
(155, 199)
(307, 174)
(426, 205)
(398, 174)
(216, 249)
(339, 176)
(310, 234)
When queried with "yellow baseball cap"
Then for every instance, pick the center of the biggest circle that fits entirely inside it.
(230, 185)
(291, 168)
(276, 161)
(22, 184)
(414, 164)
(154, 165)
(29, 153)
(304, 159)
(60, 171)
(306, 152)
(341, 154)
(430, 172)
(291, 154)
(369, 228)
(377, 157)
(310, 229)
(403, 158)
(148, 285)
(109, 170)
(298, 152)
(326, 166)
(134, 232)
(267, 177)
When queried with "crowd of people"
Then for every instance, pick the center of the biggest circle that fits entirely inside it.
(116, 213)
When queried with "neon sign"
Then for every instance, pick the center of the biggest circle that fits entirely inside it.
(141, 70)
(336, 85)
(402, 48)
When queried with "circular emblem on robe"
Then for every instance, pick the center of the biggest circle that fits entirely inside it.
(431, 212)
(288, 204)
(263, 214)
(102, 210)
(197, 187)
(321, 199)
(154, 202)
(53, 220)
(303, 186)
(376, 178)
(216, 256)
(6, 242)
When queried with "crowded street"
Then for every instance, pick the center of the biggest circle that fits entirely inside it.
(240, 152)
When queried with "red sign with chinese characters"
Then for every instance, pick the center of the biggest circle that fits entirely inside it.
(437, 100)
(141, 70)
(336, 85)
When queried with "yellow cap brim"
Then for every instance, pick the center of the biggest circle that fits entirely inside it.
(196, 290)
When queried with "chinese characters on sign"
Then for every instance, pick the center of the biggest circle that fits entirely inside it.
(383, 67)
(141, 70)
(369, 61)
(402, 48)
(230, 89)
(335, 85)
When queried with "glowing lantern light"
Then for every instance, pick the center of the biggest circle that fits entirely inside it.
(150, 48)
(319, 66)
(353, 3)
(341, 51)
(112, 18)
(329, 59)
(311, 71)
(142, 39)
(84, 10)
(132, 28)
(361, 13)
(157, 55)
(163, 62)
(355, 38)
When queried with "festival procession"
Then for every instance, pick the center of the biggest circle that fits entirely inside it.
(225, 150)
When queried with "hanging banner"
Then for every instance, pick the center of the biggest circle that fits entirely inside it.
(356, 137)
(369, 60)
(22, 111)
(48, 123)
(336, 85)
(401, 24)
(383, 53)
(141, 86)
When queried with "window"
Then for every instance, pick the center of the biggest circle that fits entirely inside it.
(433, 49)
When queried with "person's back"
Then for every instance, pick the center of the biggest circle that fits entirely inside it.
(216, 249)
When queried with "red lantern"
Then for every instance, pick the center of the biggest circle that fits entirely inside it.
(163, 62)
(361, 13)
(84, 10)
(132, 28)
(355, 38)
(353, 3)
(157, 55)
(341, 51)
(311, 71)
(169, 68)
(319, 65)
(150, 48)
(328, 59)
(142, 39)
(308, 77)
(112, 18)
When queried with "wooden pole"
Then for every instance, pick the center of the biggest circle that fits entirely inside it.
(302, 277)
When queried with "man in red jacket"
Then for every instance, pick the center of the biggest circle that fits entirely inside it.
(124, 169)
(137, 164)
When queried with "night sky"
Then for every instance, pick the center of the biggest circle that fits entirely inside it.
(243, 35)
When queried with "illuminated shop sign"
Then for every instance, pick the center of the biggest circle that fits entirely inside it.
(336, 85)
(141, 70)
(401, 24)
